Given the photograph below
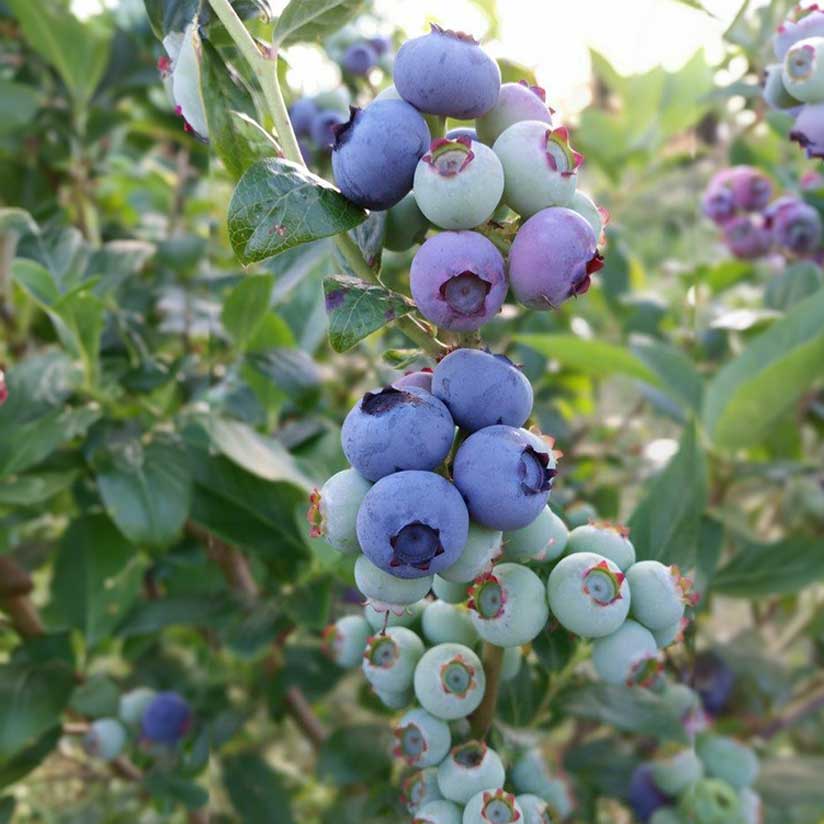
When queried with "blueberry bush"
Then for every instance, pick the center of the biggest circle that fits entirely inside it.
(406, 451)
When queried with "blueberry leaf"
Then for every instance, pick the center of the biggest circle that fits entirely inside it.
(304, 20)
(255, 789)
(357, 308)
(278, 204)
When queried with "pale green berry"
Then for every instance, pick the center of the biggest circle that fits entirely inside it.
(627, 656)
(603, 538)
(530, 774)
(596, 216)
(543, 540)
(390, 659)
(493, 806)
(669, 635)
(405, 225)
(672, 774)
(752, 808)
(483, 548)
(337, 98)
(727, 759)
(580, 513)
(132, 705)
(443, 622)
(453, 592)
(105, 739)
(438, 812)
(449, 681)
(710, 801)
(535, 809)
(658, 594)
(804, 70)
(468, 769)
(420, 788)
(421, 739)
(400, 617)
(511, 664)
(588, 594)
(384, 589)
(681, 698)
(345, 640)
(334, 510)
(395, 700)
(516, 102)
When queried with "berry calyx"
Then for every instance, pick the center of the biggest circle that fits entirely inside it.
(603, 584)
(560, 156)
(487, 597)
(449, 157)
(457, 677)
(381, 651)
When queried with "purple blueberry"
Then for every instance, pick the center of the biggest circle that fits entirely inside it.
(458, 280)
(751, 188)
(359, 58)
(795, 225)
(412, 524)
(643, 795)
(447, 73)
(167, 718)
(791, 31)
(323, 127)
(302, 114)
(747, 237)
(305, 150)
(552, 258)
(718, 204)
(808, 129)
(422, 379)
(375, 154)
(462, 131)
(713, 680)
(516, 102)
(505, 475)
(381, 44)
(481, 389)
(394, 429)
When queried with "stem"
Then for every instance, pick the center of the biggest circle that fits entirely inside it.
(812, 704)
(15, 586)
(234, 565)
(304, 716)
(481, 719)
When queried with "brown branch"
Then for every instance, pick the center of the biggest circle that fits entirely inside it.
(15, 587)
(481, 719)
(232, 562)
(123, 767)
(808, 706)
(304, 716)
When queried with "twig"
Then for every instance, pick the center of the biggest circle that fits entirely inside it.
(304, 716)
(15, 587)
(232, 562)
(808, 706)
(481, 719)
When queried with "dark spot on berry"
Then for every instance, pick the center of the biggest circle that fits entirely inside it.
(389, 398)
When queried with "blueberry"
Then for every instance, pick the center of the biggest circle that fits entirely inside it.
(375, 154)
(481, 389)
(643, 794)
(422, 379)
(468, 769)
(458, 280)
(751, 188)
(389, 93)
(394, 699)
(791, 31)
(302, 114)
(580, 513)
(710, 801)
(775, 92)
(493, 806)
(463, 131)
(449, 682)
(808, 129)
(588, 595)
(345, 640)
(508, 606)
(795, 225)
(381, 44)
(405, 225)
(384, 590)
(627, 656)
(483, 547)
(412, 524)
(421, 788)
(421, 739)
(444, 623)
(534, 809)
(133, 704)
(752, 807)
(552, 258)
(606, 539)
(334, 509)
(167, 719)
(727, 759)
(718, 204)
(516, 102)
(105, 739)
(390, 658)
(540, 167)
(673, 773)
(439, 812)
(671, 634)
(747, 237)
(401, 616)
(511, 664)
(505, 475)
(713, 681)
(659, 593)
(597, 216)
(545, 539)
(803, 71)
(323, 127)
(447, 73)
(359, 58)
(453, 592)
(529, 774)
(395, 429)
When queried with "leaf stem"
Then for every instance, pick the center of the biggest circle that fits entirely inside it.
(481, 719)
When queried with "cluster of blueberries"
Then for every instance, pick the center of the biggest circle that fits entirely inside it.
(738, 200)
(156, 720)
(796, 83)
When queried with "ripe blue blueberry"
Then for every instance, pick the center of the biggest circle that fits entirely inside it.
(483, 547)
(795, 225)
(453, 592)
(481, 389)
(775, 92)
(534, 809)
(323, 127)
(167, 719)
(808, 129)
(516, 102)
(458, 184)
(420, 788)
(302, 114)
(710, 801)
(444, 623)
(421, 740)
(545, 539)
(627, 656)
(718, 204)
(449, 681)
(659, 593)
(400, 617)
(381, 44)
(334, 509)
(390, 658)
(644, 795)
(552, 258)
(747, 237)
(447, 73)
(438, 812)
(493, 806)
(375, 154)
(809, 24)
(345, 640)
(421, 378)
(395, 429)
(133, 704)
(713, 680)
(412, 524)
(458, 280)
(405, 225)
(385, 590)
(505, 475)
(803, 71)
(105, 739)
(359, 58)
(588, 594)
(540, 167)
(606, 539)
(727, 759)
(673, 772)
(468, 769)
(508, 606)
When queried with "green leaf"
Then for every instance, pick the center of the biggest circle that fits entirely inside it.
(792, 789)
(666, 524)
(256, 791)
(369, 237)
(78, 50)
(357, 308)
(97, 578)
(30, 758)
(752, 392)
(18, 104)
(797, 282)
(304, 20)
(31, 490)
(7, 805)
(278, 204)
(592, 357)
(245, 308)
(783, 567)
(355, 754)
(146, 490)
(116, 261)
(291, 370)
(150, 617)
(97, 697)
(32, 697)
(17, 220)
(167, 16)
(678, 377)
(176, 788)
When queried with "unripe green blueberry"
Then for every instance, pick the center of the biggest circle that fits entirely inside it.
(453, 592)
(727, 759)
(752, 808)
(530, 774)
(534, 808)
(420, 788)
(395, 700)
(658, 594)
(775, 92)
(401, 616)
(384, 590)
(508, 606)
(105, 739)
(588, 594)
(681, 698)
(493, 806)
(543, 540)
(666, 815)
(483, 548)
(132, 704)
(511, 664)
(627, 656)
(443, 623)
(390, 659)
(449, 681)
(334, 510)
(671, 634)
(421, 739)
(710, 801)
(438, 812)
(674, 773)
(603, 538)
(345, 640)
(469, 768)
(405, 225)
(803, 73)
(596, 216)
(580, 513)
